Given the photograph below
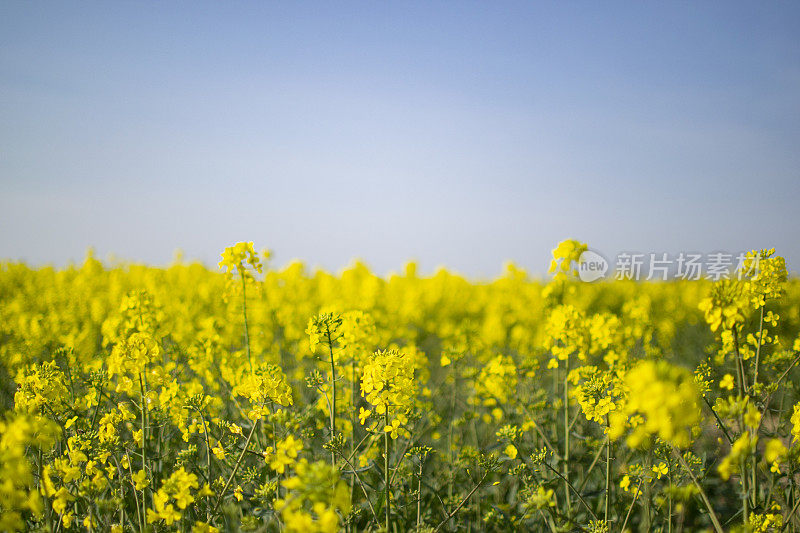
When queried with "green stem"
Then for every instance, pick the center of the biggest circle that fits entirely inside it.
(608, 473)
(244, 312)
(633, 502)
(572, 488)
(706, 501)
(236, 467)
(566, 436)
(135, 497)
(419, 493)
(758, 348)
(386, 480)
(742, 374)
(720, 423)
(669, 496)
(353, 400)
(143, 408)
(363, 488)
(333, 393)
(460, 505)
(208, 444)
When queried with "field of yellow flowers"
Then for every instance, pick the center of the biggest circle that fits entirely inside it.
(249, 398)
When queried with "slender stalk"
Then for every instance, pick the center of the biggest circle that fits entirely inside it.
(275, 447)
(143, 408)
(333, 392)
(719, 421)
(608, 473)
(790, 515)
(590, 469)
(630, 509)
(460, 505)
(208, 448)
(353, 400)
(135, 497)
(363, 488)
(743, 382)
(566, 436)
(244, 312)
(572, 488)
(419, 493)
(669, 497)
(647, 494)
(743, 461)
(758, 348)
(753, 476)
(745, 490)
(236, 466)
(450, 435)
(769, 397)
(703, 496)
(386, 480)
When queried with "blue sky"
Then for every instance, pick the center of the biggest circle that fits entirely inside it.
(455, 133)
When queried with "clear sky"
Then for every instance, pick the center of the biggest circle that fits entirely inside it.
(456, 133)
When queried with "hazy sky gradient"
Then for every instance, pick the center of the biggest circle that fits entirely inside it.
(456, 133)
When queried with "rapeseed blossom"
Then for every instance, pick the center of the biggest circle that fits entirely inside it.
(666, 399)
(387, 382)
(140, 398)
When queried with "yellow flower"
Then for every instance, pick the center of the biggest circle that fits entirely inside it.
(387, 381)
(726, 382)
(775, 451)
(742, 447)
(795, 420)
(140, 480)
(218, 451)
(542, 498)
(564, 255)
(286, 454)
(202, 527)
(667, 398)
(497, 381)
(566, 333)
(393, 428)
(511, 451)
(660, 469)
(234, 257)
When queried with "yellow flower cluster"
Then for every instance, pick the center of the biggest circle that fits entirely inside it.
(315, 500)
(388, 381)
(765, 274)
(795, 421)
(41, 387)
(599, 393)
(667, 400)
(285, 454)
(726, 306)
(18, 493)
(741, 448)
(235, 257)
(130, 357)
(174, 496)
(565, 333)
(564, 255)
(324, 329)
(497, 381)
(771, 520)
(265, 386)
(141, 398)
